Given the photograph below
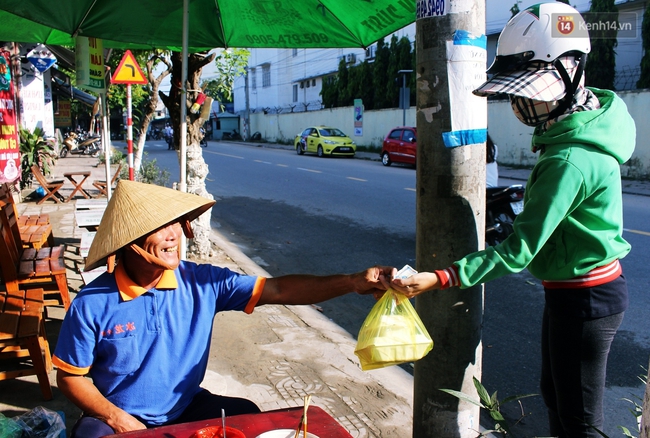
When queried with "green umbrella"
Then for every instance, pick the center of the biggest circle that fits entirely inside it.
(212, 23)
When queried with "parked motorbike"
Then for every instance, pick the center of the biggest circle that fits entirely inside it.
(503, 205)
(204, 141)
(78, 144)
(234, 135)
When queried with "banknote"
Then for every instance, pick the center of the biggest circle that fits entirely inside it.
(405, 272)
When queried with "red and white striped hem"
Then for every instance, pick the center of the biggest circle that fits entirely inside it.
(448, 277)
(595, 277)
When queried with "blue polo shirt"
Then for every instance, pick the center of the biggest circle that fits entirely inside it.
(147, 350)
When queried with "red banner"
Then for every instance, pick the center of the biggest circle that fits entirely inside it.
(9, 144)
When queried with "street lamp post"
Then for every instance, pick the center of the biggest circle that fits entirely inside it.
(403, 94)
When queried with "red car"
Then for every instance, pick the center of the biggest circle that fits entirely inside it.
(400, 146)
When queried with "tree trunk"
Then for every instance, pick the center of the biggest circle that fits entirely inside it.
(150, 108)
(200, 247)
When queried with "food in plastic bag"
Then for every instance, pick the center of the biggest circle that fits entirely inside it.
(392, 333)
(9, 428)
(40, 423)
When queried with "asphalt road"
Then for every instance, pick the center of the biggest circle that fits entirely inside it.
(293, 214)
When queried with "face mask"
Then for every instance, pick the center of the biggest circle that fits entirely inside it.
(531, 112)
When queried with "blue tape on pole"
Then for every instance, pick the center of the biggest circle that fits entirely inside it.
(454, 139)
(465, 38)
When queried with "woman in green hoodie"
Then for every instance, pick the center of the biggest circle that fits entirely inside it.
(570, 232)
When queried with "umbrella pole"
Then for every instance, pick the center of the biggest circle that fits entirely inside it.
(183, 133)
(106, 142)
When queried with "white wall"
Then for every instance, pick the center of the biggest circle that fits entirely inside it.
(512, 137)
(283, 128)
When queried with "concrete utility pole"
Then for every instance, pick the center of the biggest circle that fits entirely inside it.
(450, 208)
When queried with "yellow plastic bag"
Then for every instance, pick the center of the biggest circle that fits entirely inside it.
(392, 333)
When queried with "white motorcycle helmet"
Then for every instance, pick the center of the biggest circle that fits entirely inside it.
(529, 51)
(542, 32)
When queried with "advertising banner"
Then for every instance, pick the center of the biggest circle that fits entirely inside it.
(63, 115)
(358, 117)
(9, 143)
(89, 63)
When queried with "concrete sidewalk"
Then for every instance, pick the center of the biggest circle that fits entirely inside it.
(274, 356)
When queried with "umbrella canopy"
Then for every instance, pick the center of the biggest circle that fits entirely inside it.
(212, 23)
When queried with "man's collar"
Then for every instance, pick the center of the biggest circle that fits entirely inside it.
(129, 290)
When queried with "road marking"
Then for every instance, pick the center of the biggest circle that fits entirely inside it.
(410, 189)
(263, 162)
(282, 165)
(645, 233)
(357, 179)
(224, 155)
(309, 170)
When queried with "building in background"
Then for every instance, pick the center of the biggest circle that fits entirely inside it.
(290, 80)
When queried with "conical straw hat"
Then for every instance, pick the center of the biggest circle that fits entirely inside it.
(136, 209)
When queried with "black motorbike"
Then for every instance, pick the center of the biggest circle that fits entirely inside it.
(503, 205)
(81, 144)
(234, 135)
(204, 141)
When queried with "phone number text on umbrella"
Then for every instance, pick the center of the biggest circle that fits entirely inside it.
(306, 38)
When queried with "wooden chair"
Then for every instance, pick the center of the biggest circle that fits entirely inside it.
(28, 268)
(101, 184)
(22, 335)
(32, 231)
(51, 187)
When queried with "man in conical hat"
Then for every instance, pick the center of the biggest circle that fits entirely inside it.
(142, 330)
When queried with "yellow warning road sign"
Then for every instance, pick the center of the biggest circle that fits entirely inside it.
(128, 72)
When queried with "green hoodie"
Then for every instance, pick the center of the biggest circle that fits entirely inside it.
(573, 209)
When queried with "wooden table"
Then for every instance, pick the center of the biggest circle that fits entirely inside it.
(88, 219)
(86, 240)
(91, 204)
(78, 186)
(320, 424)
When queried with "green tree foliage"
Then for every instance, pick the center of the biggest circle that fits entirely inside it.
(392, 93)
(601, 62)
(352, 82)
(644, 79)
(330, 91)
(366, 93)
(355, 84)
(380, 80)
(342, 84)
(230, 63)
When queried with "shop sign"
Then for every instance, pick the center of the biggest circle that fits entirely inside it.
(9, 143)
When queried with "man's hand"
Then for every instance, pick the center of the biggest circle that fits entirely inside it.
(375, 280)
(83, 393)
(123, 422)
(416, 283)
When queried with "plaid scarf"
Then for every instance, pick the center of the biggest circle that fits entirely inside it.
(584, 100)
